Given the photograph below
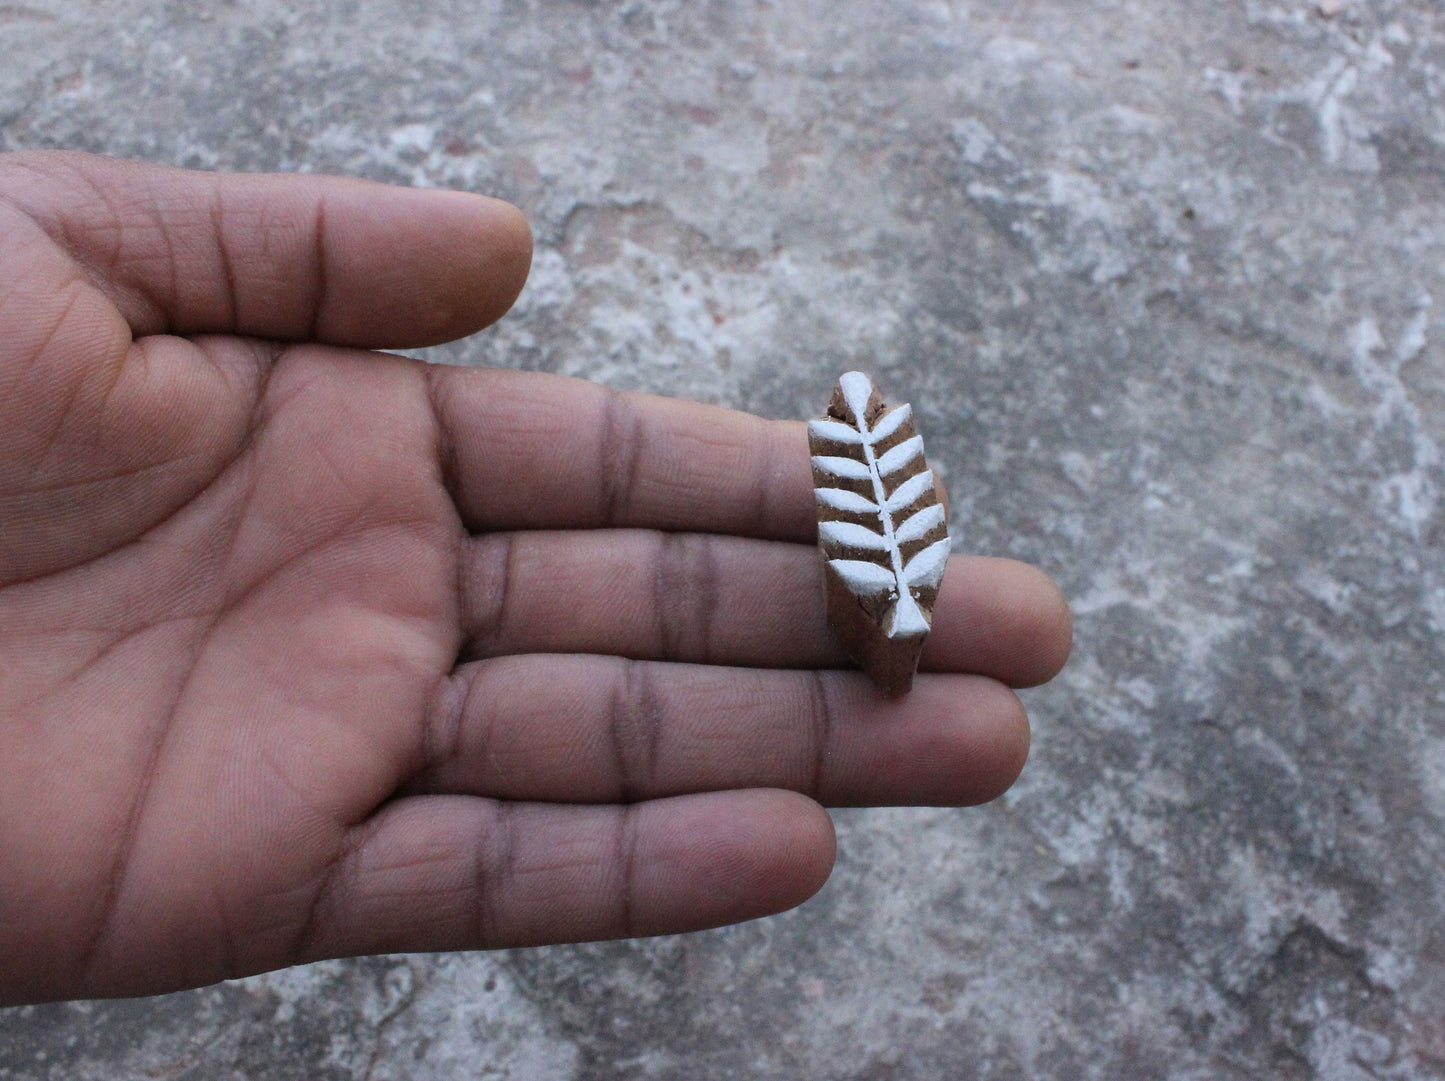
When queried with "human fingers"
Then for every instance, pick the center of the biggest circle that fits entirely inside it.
(709, 599)
(599, 729)
(455, 872)
(527, 450)
(293, 257)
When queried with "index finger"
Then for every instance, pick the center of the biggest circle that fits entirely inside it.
(289, 257)
(526, 450)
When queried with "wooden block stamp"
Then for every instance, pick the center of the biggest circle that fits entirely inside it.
(882, 530)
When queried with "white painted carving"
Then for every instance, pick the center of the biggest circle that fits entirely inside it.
(870, 558)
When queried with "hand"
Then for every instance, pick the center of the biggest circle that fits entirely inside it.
(308, 651)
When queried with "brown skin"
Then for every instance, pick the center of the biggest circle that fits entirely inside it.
(308, 651)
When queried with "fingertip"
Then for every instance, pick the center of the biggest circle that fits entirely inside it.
(787, 845)
(468, 260)
(811, 850)
(1048, 623)
(506, 246)
(1000, 618)
(987, 744)
(289, 257)
(952, 741)
(770, 851)
(1011, 747)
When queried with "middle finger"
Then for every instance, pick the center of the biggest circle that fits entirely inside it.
(588, 729)
(710, 599)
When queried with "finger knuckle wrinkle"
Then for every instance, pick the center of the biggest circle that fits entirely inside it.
(635, 728)
(621, 457)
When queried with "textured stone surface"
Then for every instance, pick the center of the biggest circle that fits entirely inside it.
(1160, 277)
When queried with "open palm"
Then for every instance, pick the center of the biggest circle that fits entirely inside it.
(309, 651)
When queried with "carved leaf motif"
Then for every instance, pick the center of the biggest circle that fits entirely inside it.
(848, 535)
(844, 500)
(909, 491)
(841, 468)
(838, 433)
(900, 456)
(919, 525)
(926, 568)
(865, 579)
(881, 528)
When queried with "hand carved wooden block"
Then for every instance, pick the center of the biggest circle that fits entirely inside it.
(881, 529)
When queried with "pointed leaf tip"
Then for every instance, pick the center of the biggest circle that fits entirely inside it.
(834, 431)
(890, 422)
(907, 619)
(863, 578)
(841, 467)
(900, 455)
(849, 535)
(910, 490)
(917, 526)
(857, 389)
(925, 570)
(841, 499)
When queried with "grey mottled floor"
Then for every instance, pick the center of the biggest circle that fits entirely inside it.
(1163, 275)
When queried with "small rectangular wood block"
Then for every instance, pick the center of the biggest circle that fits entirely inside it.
(882, 530)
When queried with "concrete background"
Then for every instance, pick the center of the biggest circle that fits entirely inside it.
(1161, 276)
